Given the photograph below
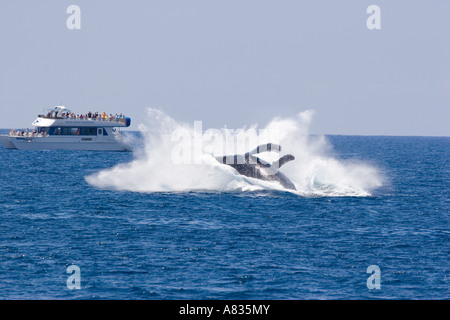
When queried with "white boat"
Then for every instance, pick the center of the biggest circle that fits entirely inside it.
(61, 129)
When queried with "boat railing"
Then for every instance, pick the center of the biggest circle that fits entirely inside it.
(119, 119)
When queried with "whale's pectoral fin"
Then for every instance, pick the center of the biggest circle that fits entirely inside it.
(284, 159)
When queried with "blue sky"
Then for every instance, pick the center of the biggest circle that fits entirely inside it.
(232, 63)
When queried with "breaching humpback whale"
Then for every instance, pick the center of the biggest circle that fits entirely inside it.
(254, 167)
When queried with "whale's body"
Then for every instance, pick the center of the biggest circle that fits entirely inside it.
(251, 166)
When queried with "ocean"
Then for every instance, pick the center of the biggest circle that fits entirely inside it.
(137, 230)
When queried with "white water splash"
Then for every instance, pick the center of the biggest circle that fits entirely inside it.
(314, 172)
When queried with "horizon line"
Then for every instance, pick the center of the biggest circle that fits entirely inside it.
(338, 134)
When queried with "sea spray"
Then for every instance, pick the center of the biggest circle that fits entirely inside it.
(315, 171)
(179, 157)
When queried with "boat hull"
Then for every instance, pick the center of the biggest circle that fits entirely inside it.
(6, 142)
(47, 143)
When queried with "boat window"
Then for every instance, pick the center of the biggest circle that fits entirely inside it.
(66, 131)
(56, 131)
(100, 131)
(88, 131)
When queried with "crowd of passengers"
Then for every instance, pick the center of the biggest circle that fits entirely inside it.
(27, 133)
(68, 115)
(89, 115)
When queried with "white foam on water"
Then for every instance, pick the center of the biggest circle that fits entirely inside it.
(157, 166)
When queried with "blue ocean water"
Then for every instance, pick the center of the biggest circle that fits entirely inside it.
(264, 244)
